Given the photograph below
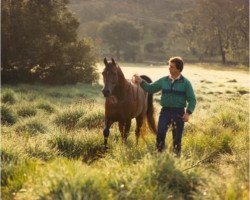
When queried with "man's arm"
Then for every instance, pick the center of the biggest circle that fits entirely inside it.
(191, 99)
(148, 87)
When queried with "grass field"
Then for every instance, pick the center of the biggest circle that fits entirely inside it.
(52, 143)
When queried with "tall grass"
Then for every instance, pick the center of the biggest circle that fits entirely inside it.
(58, 152)
(8, 96)
(8, 116)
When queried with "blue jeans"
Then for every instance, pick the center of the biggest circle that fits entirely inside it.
(170, 117)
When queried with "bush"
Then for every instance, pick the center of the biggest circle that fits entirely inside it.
(8, 96)
(7, 115)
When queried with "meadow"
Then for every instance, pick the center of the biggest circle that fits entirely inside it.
(52, 142)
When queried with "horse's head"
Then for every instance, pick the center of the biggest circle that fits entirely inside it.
(110, 77)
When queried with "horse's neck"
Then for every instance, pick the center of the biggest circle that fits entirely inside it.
(121, 88)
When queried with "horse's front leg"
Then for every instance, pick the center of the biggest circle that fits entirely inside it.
(139, 122)
(106, 131)
(127, 128)
(122, 130)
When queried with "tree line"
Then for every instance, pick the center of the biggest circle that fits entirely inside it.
(216, 27)
(201, 30)
(41, 43)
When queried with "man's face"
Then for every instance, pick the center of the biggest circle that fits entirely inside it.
(172, 69)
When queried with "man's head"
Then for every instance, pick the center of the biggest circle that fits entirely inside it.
(175, 65)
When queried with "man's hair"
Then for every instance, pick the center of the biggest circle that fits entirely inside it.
(178, 62)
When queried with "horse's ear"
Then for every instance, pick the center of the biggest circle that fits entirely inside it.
(113, 61)
(105, 61)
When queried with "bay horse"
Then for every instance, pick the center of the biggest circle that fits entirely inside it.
(125, 101)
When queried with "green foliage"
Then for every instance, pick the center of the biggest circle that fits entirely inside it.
(125, 33)
(27, 111)
(7, 115)
(8, 96)
(227, 39)
(69, 118)
(52, 52)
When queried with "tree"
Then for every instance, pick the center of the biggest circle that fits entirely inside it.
(38, 37)
(209, 31)
(119, 34)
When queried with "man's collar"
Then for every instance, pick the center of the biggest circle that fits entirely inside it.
(175, 78)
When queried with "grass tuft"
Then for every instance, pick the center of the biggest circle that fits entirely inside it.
(27, 111)
(8, 117)
(92, 120)
(88, 147)
(8, 96)
(69, 118)
(14, 176)
(46, 106)
(31, 127)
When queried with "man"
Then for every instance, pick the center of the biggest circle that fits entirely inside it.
(177, 91)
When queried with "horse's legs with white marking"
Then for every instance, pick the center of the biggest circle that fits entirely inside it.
(139, 122)
(106, 131)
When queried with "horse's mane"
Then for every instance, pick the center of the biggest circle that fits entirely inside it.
(121, 76)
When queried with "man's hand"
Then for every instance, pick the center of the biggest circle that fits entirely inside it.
(136, 79)
(185, 117)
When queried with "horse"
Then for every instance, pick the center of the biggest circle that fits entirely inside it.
(125, 101)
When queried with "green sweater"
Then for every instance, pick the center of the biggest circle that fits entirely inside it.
(175, 95)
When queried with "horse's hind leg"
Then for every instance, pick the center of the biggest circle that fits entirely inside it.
(106, 131)
(139, 122)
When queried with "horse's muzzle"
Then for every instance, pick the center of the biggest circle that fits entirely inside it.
(106, 93)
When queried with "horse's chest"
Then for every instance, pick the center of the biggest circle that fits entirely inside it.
(122, 110)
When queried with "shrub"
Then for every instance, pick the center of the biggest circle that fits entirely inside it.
(26, 111)
(8, 96)
(7, 115)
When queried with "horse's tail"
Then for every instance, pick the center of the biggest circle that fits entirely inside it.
(150, 110)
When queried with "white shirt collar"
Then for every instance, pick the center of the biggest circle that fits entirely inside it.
(172, 79)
